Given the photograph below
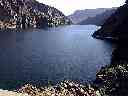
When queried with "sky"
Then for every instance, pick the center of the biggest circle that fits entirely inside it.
(69, 6)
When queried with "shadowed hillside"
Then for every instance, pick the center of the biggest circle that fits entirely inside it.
(113, 79)
(115, 27)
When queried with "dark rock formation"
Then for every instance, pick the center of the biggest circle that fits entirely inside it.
(115, 27)
(29, 13)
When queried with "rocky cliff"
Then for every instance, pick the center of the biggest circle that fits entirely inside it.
(29, 13)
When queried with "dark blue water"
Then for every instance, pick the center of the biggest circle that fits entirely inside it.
(51, 55)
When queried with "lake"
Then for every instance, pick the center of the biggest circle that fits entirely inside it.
(51, 55)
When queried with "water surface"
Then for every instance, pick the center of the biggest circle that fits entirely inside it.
(54, 54)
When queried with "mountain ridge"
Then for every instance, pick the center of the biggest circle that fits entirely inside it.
(99, 19)
(29, 14)
(81, 15)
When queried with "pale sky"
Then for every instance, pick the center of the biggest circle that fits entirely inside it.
(69, 6)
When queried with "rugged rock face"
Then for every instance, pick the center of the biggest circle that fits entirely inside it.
(29, 13)
(116, 26)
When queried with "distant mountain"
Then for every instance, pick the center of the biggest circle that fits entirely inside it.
(81, 15)
(29, 13)
(98, 19)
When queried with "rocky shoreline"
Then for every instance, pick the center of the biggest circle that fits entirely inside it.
(111, 80)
